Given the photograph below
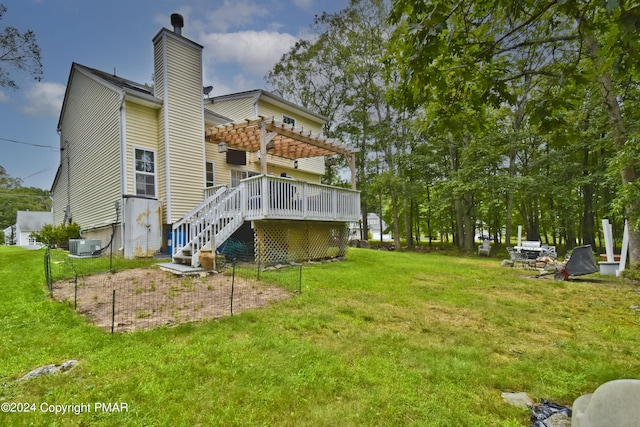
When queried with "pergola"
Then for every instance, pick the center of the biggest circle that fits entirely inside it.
(267, 136)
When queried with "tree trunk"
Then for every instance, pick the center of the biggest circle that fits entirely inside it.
(407, 219)
(619, 131)
(588, 224)
(396, 226)
(468, 221)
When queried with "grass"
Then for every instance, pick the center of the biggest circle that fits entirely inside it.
(383, 339)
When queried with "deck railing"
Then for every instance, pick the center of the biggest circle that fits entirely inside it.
(270, 197)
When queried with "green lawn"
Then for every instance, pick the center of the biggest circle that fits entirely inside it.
(383, 339)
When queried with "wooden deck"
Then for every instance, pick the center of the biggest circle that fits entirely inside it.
(260, 197)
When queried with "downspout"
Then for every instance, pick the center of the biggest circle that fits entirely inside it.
(123, 162)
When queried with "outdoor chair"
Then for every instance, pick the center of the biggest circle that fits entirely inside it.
(485, 248)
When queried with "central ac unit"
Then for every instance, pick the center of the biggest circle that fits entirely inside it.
(83, 247)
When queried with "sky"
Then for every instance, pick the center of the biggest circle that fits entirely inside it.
(242, 39)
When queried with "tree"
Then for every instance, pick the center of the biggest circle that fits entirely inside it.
(484, 41)
(341, 75)
(14, 197)
(19, 51)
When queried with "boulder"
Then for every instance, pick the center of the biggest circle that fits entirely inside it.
(50, 369)
(615, 403)
(520, 400)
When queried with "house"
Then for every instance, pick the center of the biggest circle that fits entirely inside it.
(9, 235)
(166, 167)
(28, 222)
(377, 228)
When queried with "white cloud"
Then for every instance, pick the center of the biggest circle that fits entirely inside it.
(303, 4)
(235, 13)
(4, 97)
(255, 52)
(43, 99)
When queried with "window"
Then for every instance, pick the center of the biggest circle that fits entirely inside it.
(288, 120)
(210, 179)
(237, 175)
(145, 175)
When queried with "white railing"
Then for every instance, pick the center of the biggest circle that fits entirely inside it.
(191, 226)
(260, 197)
(290, 199)
(210, 191)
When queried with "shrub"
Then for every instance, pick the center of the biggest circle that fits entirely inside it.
(57, 236)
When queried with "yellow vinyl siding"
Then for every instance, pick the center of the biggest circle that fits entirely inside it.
(59, 193)
(220, 167)
(267, 109)
(314, 165)
(235, 109)
(182, 110)
(94, 170)
(142, 132)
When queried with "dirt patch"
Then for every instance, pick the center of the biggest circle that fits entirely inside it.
(147, 298)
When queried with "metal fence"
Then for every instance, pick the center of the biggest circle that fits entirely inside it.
(120, 295)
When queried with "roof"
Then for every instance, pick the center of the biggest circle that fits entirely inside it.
(31, 220)
(118, 81)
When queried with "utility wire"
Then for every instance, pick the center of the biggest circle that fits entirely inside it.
(36, 173)
(28, 143)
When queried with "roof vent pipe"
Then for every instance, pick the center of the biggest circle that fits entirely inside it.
(178, 22)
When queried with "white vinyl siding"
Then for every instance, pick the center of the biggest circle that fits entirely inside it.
(91, 125)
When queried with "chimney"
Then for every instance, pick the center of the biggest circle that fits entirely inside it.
(178, 22)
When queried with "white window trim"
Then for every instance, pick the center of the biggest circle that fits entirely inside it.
(213, 171)
(155, 173)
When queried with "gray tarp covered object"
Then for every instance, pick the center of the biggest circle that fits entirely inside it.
(580, 262)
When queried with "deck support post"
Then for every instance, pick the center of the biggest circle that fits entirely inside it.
(263, 147)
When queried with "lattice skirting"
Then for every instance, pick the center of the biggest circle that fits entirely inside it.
(278, 241)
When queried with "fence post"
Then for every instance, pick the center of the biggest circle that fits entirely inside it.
(259, 261)
(47, 270)
(300, 282)
(233, 281)
(113, 310)
(75, 293)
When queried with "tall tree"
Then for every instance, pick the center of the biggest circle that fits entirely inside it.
(340, 74)
(482, 41)
(19, 51)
